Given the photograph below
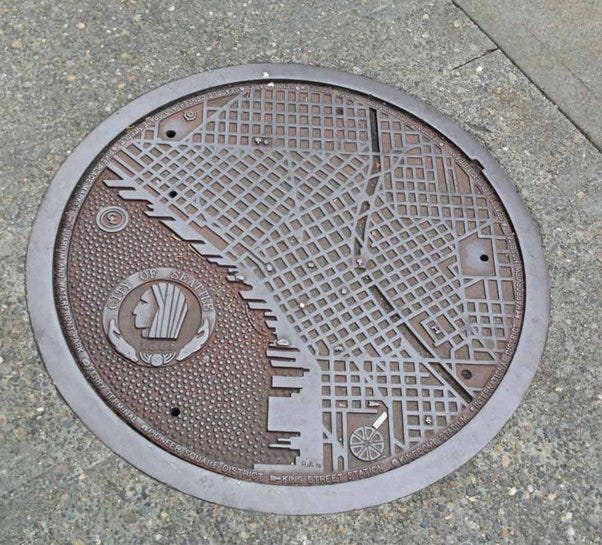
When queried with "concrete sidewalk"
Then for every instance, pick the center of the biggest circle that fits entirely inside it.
(557, 45)
(69, 64)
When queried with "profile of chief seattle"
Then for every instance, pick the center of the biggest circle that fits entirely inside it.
(162, 321)
(161, 311)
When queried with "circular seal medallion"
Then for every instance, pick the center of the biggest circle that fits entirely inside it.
(159, 316)
(287, 289)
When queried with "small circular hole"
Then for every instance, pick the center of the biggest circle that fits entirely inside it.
(175, 411)
(466, 373)
(170, 133)
(484, 257)
(172, 193)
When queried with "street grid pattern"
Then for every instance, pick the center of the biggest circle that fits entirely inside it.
(361, 248)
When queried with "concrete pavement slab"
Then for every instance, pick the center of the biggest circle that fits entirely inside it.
(558, 45)
(67, 65)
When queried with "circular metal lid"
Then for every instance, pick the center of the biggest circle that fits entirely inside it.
(287, 289)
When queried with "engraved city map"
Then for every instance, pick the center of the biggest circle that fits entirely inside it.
(290, 283)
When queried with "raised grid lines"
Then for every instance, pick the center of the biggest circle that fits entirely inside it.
(390, 261)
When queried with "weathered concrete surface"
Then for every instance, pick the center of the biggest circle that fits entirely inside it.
(558, 44)
(67, 65)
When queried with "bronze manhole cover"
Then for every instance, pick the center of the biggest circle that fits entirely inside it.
(287, 289)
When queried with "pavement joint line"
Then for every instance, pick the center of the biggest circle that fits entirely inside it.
(28, 482)
(484, 54)
(531, 80)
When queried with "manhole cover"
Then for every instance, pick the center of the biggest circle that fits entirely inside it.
(287, 289)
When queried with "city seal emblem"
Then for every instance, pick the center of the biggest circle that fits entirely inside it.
(159, 316)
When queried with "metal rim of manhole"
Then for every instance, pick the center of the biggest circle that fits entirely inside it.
(287, 289)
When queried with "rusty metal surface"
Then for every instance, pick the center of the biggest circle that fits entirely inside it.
(290, 284)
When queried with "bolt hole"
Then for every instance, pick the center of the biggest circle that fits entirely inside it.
(484, 257)
(172, 193)
(466, 373)
(175, 411)
(170, 133)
